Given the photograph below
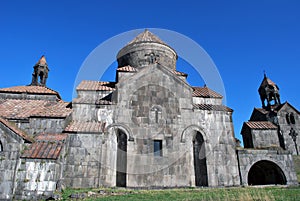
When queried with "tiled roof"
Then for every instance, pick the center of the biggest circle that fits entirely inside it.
(53, 137)
(85, 127)
(212, 107)
(30, 90)
(260, 125)
(179, 73)
(87, 85)
(16, 130)
(205, 92)
(22, 109)
(47, 146)
(127, 69)
(146, 36)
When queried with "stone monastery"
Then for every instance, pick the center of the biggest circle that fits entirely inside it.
(148, 129)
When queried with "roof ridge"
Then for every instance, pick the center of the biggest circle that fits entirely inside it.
(260, 125)
(30, 89)
(205, 92)
(93, 85)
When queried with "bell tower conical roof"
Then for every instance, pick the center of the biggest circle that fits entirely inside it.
(42, 61)
(267, 81)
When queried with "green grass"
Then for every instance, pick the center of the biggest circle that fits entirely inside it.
(186, 194)
(297, 166)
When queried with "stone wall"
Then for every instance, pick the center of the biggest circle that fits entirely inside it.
(156, 105)
(83, 160)
(35, 126)
(9, 162)
(84, 112)
(141, 55)
(217, 129)
(285, 128)
(212, 101)
(37, 178)
(265, 138)
(124, 75)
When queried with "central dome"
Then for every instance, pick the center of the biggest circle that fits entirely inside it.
(146, 49)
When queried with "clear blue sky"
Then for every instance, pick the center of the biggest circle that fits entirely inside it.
(243, 38)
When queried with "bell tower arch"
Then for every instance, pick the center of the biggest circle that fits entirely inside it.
(40, 72)
(269, 93)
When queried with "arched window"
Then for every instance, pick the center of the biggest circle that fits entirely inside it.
(1, 147)
(292, 118)
(287, 117)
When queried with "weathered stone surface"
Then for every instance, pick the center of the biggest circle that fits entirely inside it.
(249, 157)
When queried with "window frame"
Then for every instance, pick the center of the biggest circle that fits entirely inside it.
(157, 148)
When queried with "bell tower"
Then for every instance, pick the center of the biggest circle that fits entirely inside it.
(269, 93)
(40, 72)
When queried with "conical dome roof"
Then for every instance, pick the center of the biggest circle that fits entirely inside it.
(146, 36)
(146, 49)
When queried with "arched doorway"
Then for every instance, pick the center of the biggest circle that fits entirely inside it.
(200, 161)
(121, 159)
(264, 173)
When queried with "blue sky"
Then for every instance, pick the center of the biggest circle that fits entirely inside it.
(243, 38)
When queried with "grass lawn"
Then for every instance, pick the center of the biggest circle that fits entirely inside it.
(234, 193)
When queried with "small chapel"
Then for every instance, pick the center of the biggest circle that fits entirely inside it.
(147, 129)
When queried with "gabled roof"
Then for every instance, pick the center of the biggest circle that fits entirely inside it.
(287, 104)
(275, 108)
(205, 92)
(88, 85)
(16, 130)
(146, 36)
(212, 107)
(260, 125)
(47, 146)
(40, 90)
(85, 127)
(23, 109)
(149, 72)
(261, 110)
